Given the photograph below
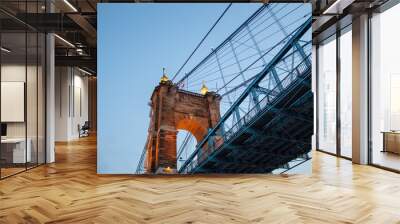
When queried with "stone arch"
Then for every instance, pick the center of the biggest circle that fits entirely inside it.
(173, 109)
(193, 125)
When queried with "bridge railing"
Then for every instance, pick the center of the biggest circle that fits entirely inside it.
(268, 99)
(262, 83)
(141, 168)
(298, 73)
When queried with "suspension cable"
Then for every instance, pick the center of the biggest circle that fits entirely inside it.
(211, 63)
(202, 40)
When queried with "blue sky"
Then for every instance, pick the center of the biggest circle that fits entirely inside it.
(135, 41)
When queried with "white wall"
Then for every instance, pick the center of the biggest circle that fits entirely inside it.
(81, 114)
(71, 102)
(12, 73)
(62, 82)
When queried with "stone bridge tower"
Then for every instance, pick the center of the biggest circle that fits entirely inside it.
(173, 109)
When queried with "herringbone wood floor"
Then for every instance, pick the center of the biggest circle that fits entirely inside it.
(70, 191)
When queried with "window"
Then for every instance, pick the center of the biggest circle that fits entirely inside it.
(346, 92)
(385, 89)
(327, 95)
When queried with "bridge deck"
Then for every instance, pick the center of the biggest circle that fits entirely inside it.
(272, 138)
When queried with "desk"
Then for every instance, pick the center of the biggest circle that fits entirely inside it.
(391, 141)
(13, 150)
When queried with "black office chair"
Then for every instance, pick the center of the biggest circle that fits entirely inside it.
(84, 130)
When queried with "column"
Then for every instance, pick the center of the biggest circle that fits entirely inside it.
(50, 99)
(360, 90)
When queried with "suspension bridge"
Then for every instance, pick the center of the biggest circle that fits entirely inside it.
(254, 111)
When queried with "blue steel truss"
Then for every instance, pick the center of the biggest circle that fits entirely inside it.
(294, 85)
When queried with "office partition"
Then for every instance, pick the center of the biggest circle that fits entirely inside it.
(22, 89)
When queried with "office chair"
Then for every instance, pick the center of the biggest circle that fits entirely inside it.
(84, 130)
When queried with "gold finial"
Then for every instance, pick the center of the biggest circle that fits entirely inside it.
(164, 77)
(168, 170)
(204, 89)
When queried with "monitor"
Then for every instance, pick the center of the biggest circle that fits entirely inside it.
(3, 129)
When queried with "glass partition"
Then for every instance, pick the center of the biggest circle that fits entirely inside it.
(32, 95)
(22, 91)
(41, 97)
(14, 153)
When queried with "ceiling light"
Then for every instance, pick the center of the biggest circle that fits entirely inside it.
(65, 41)
(5, 50)
(79, 51)
(84, 71)
(338, 6)
(70, 5)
